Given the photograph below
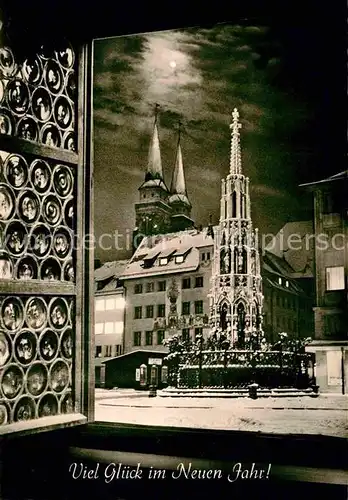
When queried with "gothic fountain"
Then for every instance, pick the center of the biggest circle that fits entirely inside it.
(233, 357)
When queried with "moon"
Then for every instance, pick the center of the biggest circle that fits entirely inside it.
(172, 64)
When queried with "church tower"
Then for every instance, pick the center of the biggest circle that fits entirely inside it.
(152, 212)
(236, 298)
(178, 200)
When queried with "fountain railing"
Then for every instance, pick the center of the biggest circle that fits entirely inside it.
(237, 367)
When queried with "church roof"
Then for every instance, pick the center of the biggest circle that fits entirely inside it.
(150, 183)
(168, 246)
(178, 180)
(178, 185)
(154, 163)
(337, 177)
(181, 198)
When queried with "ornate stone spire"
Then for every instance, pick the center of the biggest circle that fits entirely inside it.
(236, 291)
(236, 159)
(154, 164)
(178, 185)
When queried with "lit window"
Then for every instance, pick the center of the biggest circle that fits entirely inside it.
(179, 259)
(280, 281)
(287, 284)
(109, 304)
(99, 328)
(118, 328)
(120, 302)
(100, 305)
(109, 327)
(335, 278)
(163, 262)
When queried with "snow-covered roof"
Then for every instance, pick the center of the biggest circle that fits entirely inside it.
(154, 248)
(112, 269)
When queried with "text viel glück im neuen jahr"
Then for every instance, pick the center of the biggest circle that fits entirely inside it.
(118, 471)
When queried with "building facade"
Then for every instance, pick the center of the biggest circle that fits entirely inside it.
(287, 306)
(236, 298)
(166, 285)
(109, 316)
(331, 277)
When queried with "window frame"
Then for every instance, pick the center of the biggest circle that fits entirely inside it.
(158, 333)
(149, 311)
(150, 287)
(199, 303)
(83, 290)
(198, 280)
(161, 286)
(158, 311)
(138, 309)
(139, 335)
(148, 335)
(185, 306)
(327, 278)
(184, 282)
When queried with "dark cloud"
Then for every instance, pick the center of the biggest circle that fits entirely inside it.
(197, 76)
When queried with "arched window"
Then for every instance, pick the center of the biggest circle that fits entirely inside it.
(234, 204)
(245, 261)
(224, 311)
(241, 324)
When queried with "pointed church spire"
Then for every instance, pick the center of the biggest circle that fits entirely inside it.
(236, 159)
(178, 185)
(178, 200)
(154, 164)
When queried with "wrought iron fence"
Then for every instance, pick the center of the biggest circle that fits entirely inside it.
(238, 368)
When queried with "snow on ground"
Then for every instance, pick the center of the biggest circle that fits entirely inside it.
(326, 414)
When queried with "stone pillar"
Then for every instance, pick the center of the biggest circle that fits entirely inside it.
(257, 256)
(238, 214)
(247, 199)
(229, 198)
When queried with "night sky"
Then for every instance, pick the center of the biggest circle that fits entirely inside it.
(275, 77)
